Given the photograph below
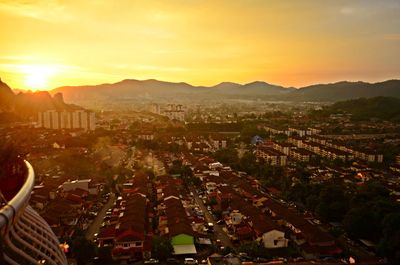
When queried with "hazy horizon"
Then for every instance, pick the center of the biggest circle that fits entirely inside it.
(209, 86)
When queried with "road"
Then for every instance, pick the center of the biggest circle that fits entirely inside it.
(218, 232)
(95, 225)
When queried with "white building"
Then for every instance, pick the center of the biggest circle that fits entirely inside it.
(83, 184)
(78, 119)
(274, 239)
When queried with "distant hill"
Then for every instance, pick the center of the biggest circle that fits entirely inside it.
(23, 105)
(257, 88)
(386, 108)
(153, 89)
(346, 90)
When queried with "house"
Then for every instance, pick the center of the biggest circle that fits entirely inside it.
(106, 236)
(84, 184)
(174, 223)
(218, 142)
(128, 244)
(183, 244)
(301, 154)
(276, 130)
(146, 136)
(274, 239)
(130, 230)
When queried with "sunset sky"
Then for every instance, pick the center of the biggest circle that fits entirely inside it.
(46, 44)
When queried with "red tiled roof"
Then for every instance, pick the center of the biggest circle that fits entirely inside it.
(107, 232)
(130, 235)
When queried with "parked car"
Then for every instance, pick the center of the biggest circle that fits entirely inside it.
(190, 261)
(172, 261)
(151, 261)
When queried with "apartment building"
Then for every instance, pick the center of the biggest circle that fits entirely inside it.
(77, 119)
(271, 156)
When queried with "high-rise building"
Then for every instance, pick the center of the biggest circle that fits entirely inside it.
(25, 237)
(155, 108)
(78, 119)
(175, 112)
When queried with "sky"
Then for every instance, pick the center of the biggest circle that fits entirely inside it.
(47, 44)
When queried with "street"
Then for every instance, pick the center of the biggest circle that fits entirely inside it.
(95, 225)
(218, 232)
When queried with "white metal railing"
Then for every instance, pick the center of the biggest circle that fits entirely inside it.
(24, 234)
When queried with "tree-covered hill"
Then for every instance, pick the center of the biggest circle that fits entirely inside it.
(385, 108)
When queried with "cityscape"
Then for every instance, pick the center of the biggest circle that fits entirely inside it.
(207, 164)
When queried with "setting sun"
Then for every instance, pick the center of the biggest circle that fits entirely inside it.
(37, 76)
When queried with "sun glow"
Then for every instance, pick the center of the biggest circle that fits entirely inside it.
(37, 76)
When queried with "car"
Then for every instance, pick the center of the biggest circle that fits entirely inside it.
(318, 222)
(172, 261)
(220, 222)
(190, 261)
(151, 261)
(210, 227)
(92, 214)
(260, 260)
(132, 260)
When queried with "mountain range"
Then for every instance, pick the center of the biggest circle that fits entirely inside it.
(153, 89)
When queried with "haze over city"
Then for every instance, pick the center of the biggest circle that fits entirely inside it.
(47, 44)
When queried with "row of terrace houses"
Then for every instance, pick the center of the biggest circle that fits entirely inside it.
(357, 152)
(271, 156)
(128, 230)
(251, 215)
(292, 130)
(174, 221)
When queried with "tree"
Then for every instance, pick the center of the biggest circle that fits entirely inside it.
(302, 172)
(11, 168)
(162, 248)
(250, 131)
(248, 163)
(75, 165)
(389, 245)
(227, 156)
(254, 249)
(104, 255)
(83, 250)
(333, 203)
(11, 161)
(361, 223)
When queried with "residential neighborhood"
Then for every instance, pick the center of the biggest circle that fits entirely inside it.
(142, 194)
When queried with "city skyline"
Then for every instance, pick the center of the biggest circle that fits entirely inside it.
(48, 44)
